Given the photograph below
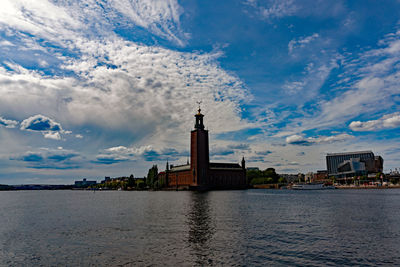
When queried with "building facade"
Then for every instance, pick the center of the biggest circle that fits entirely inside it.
(349, 164)
(84, 183)
(200, 173)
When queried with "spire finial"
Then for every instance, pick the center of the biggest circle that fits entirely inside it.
(199, 102)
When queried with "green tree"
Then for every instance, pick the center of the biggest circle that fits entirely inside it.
(140, 184)
(267, 176)
(282, 180)
(131, 181)
(251, 174)
(152, 176)
(270, 173)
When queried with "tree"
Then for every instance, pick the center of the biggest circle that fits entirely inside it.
(282, 180)
(140, 184)
(268, 176)
(270, 173)
(131, 181)
(152, 176)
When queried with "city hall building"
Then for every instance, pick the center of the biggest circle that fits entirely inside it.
(200, 173)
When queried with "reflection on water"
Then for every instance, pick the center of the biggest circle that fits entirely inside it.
(201, 228)
(230, 228)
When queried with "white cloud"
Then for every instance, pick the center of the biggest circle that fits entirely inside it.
(8, 123)
(47, 158)
(161, 17)
(310, 85)
(48, 127)
(278, 9)
(40, 123)
(301, 42)
(369, 84)
(129, 151)
(119, 85)
(52, 135)
(306, 141)
(6, 43)
(274, 8)
(386, 122)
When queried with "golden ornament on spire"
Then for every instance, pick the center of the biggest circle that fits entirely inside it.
(199, 102)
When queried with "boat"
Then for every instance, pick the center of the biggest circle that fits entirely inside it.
(311, 186)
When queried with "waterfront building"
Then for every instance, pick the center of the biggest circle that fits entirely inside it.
(320, 175)
(308, 177)
(350, 164)
(84, 183)
(106, 180)
(200, 173)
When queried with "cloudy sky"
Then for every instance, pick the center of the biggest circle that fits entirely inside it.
(95, 88)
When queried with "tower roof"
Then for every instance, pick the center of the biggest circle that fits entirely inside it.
(199, 110)
(199, 118)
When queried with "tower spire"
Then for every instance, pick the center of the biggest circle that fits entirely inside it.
(199, 110)
(199, 118)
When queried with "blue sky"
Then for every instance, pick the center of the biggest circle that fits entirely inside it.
(109, 88)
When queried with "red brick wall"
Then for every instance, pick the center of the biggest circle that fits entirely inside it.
(193, 154)
(182, 178)
(199, 155)
(227, 178)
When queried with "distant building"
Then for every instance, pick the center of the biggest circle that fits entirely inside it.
(84, 183)
(320, 175)
(200, 173)
(106, 180)
(308, 177)
(350, 164)
(252, 169)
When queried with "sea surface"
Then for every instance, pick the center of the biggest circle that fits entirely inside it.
(231, 228)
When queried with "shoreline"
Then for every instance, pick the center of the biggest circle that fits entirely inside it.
(367, 187)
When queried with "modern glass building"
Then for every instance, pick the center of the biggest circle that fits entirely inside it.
(353, 163)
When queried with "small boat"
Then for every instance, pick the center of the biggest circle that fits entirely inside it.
(311, 186)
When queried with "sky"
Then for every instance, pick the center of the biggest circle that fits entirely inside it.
(94, 88)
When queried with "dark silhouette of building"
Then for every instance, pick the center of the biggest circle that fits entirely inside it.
(84, 183)
(200, 173)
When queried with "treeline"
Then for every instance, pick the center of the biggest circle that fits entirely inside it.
(132, 183)
(267, 176)
(124, 183)
(4, 187)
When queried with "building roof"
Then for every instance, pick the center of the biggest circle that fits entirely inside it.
(180, 168)
(349, 153)
(232, 166)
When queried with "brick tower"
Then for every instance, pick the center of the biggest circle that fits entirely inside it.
(199, 152)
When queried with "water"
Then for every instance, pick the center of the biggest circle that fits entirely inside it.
(239, 228)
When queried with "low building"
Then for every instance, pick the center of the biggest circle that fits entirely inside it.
(321, 175)
(308, 177)
(84, 183)
(106, 180)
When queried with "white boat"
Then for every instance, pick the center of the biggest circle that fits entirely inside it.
(311, 186)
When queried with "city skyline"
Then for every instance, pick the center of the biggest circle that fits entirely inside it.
(93, 89)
